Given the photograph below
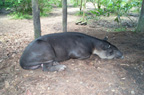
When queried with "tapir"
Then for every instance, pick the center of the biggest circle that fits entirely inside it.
(48, 50)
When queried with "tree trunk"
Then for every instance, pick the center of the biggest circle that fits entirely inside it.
(36, 18)
(94, 4)
(84, 7)
(3, 2)
(140, 27)
(99, 4)
(77, 2)
(81, 5)
(64, 5)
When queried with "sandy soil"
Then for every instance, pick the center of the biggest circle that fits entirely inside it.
(82, 77)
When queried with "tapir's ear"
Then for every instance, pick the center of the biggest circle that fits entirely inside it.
(105, 38)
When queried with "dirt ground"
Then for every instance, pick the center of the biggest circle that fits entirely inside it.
(82, 77)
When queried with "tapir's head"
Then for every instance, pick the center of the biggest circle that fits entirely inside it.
(106, 50)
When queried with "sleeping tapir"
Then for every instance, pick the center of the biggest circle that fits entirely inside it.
(48, 50)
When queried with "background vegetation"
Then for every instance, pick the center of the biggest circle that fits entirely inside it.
(117, 7)
(23, 8)
(102, 7)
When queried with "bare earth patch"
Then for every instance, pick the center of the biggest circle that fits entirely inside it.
(82, 77)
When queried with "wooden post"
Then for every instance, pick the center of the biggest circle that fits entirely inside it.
(84, 7)
(36, 19)
(81, 5)
(64, 5)
(140, 26)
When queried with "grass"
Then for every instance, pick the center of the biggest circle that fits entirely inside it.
(116, 29)
(19, 15)
(120, 29)
(25, 16)
(80, 13)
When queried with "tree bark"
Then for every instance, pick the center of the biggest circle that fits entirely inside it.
(140, 26)
(81, 5)
(77, 2)
(3, 2)
(64, 5)
(84, 7)
(98, 4)
(36, 19)
(94, 4)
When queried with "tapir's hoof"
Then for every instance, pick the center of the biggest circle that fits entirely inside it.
(57, 68)
(55, 63)
(61, 67)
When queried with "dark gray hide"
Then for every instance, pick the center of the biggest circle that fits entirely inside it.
(48, 50)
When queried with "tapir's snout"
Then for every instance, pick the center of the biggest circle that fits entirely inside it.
(119, 55)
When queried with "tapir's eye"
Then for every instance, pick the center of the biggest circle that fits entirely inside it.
(109, 46)
(105, 47)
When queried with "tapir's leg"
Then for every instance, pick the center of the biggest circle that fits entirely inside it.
(37, 54)
(84, 57)
(80, 54)
(40, 53)
(31, 67)
(45, 66)
(36, 65)
(54, 66)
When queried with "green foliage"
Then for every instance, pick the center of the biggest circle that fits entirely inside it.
(23, 8)
(119, 29)
(4, 4)
(118, 7)
(107, 7)
(57, 3)
(75, 3)
(1, 4)
(79, 13)
(98, 12)
(20, 15)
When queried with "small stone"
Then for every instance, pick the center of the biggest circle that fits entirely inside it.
(1, 60)
(73, 61)
(48, 88)
(113, 90)
(110, 84)
(106, 90)
(31, 71)
(13, 55)
(17, 69)
(7, 84)
(55, 72)
(67, 80)
(132, 92)
(123, 78)
(81, 82)
(78, 22)
(91, 63)
(83, 23)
